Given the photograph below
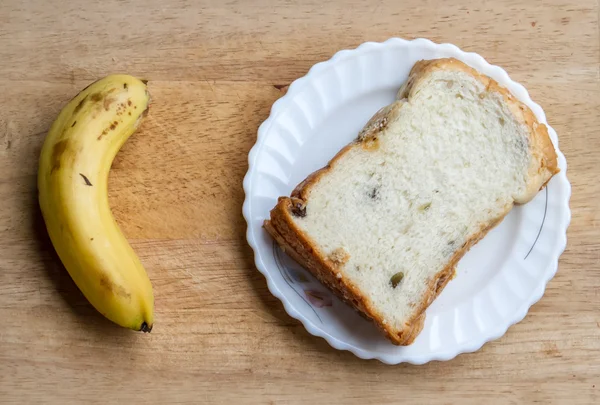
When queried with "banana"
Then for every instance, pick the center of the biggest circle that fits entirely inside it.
(72, 183)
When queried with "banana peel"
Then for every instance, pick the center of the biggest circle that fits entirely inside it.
(73, 194)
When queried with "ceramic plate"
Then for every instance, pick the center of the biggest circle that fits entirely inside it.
(497, 281)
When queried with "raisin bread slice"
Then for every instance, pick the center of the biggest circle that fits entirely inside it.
(384, 224)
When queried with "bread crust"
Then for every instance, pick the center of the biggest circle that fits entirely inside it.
(295, 242)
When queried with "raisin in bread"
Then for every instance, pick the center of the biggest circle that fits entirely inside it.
(384, 224)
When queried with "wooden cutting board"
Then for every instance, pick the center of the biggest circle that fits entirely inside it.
(215, 68)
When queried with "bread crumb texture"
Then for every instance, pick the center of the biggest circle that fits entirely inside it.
(448, 160)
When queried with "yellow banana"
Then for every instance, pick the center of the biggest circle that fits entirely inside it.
(72, 183)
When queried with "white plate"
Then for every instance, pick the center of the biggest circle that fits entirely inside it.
(497, 281)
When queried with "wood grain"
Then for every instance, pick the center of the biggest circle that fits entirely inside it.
(215, 68)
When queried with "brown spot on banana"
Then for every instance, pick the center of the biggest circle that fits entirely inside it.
(57, 153)
(108, 101)
(79, 105)
(87, 181)
(96, 97)
(113, 288)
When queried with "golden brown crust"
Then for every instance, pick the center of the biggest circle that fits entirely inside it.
(301, 248)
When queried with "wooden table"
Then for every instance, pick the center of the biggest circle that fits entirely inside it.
(176, 189)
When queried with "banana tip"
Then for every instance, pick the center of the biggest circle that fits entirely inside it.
(146, 328)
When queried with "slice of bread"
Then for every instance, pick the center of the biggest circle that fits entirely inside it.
(384, 224)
